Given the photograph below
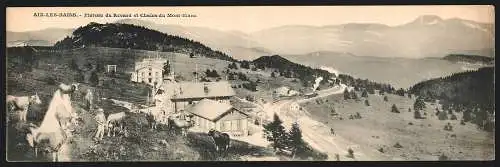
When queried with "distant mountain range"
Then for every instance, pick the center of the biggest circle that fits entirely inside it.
(426, 36)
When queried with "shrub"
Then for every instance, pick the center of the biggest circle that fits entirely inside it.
(443, 157)
(410, 123)
(462, 122)
(350, 153)
(453, 117)
(381, 150)
(442, 115)
(416, 114)
(386, 98)
(397, 145)
(448, 127)
(394, 109)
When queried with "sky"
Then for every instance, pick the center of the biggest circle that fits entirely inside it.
(247, 18)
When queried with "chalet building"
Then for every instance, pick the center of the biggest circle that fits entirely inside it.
(178, 96)
(149, 71)
(211, 114)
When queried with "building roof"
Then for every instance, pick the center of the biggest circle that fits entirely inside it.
(210, 109)
(188, 90)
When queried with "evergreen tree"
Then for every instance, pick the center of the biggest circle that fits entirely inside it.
(364, 94)
(166, 68)
(347, 95)
(354, 95)
(394, 109)
(417, 115)
(467, 115)
(371, 90)
(276, 134)
(295, 142)
(419, 104)
(442, 115)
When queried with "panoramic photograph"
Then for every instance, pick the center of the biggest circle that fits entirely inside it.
(250, 83)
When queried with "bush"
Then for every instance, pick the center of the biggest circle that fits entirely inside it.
(397, 145)
(350, 153)
(462, 122)
(386, 98)
(442, 115)
(443, 157)
(453, 117)
(416, 114)
(448, 127)
(394, 109)
(381, 150)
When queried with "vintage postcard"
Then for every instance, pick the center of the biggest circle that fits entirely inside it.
(250, 83)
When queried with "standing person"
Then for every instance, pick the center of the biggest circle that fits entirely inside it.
(89, 99)
(101, 124)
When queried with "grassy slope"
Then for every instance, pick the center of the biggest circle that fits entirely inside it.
(424, 140)
(145, 146)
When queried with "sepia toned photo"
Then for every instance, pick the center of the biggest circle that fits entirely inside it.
(250, 83)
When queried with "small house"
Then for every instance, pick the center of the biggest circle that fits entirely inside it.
(181, 95)
(210, 114)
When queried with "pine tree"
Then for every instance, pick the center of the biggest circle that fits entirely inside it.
(364, 94)
(354, 95)
(275, 133)
(467, 115)
(394, 109)
(417, 115)
(295, 142)
(442, 115)
(347, 95)
(419, 104)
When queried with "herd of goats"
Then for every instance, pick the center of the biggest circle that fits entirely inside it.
(61, 120)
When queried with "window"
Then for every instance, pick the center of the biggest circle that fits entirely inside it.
(227, 125)
(142, 73)
(150, 80)
(149, 73)
(233, 125)
(238, 124)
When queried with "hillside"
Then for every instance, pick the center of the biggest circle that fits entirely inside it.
(467, 88)
(469, 59)
(135, 37)
(399, 136)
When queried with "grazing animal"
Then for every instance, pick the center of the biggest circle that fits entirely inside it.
(151, 120)
(47, 141)
(61, 112)
(22, 104)
(176, 125)
(221, 140)
(116, 120)
(54, 129)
